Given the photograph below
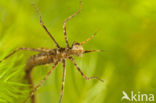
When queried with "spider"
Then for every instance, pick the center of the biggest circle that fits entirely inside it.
(55, 56)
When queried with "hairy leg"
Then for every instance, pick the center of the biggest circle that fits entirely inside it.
(83, 42)
(19, 49)
(64, 25)
(43, 25)
(89, 51)
(42, 81)
(63, 80)
(83, 75)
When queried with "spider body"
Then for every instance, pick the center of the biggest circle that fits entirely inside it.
(55, 56)
(48, 56)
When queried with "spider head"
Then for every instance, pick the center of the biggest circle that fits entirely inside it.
(77, 49)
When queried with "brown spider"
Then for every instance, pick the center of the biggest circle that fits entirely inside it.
(55, 56)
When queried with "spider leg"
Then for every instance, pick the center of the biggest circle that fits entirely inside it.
(83, 42)
(83, 75)
(43, 25)
(26, 49)
(64, 25)
(42, 81)
(63, 80)
(89, 51)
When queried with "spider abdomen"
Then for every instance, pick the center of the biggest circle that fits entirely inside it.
(39, 59)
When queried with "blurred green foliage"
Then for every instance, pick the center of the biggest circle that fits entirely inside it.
(127, 33)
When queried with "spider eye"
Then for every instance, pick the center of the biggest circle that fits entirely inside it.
(75, 43)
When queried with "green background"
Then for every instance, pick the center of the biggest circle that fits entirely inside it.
(127, 32)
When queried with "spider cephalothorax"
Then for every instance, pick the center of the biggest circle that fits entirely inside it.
(77, 49)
